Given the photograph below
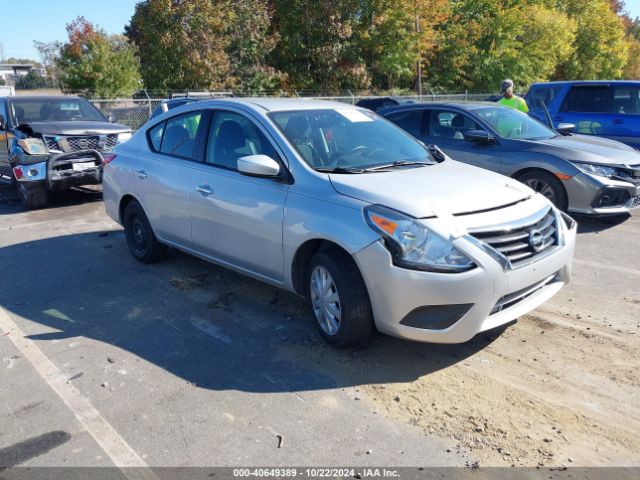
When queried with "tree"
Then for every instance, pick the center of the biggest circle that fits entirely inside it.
(49, 54)
(317, 46)
(96, 64)
(182, 45)
(601, 51)
(485, 41)
(396, 35)
(250, 42)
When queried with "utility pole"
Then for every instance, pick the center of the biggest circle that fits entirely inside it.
(1, 53)
(419, 53)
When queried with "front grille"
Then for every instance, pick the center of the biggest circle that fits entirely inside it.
(523, 243)
(516, 297)
(73, 143)
(612, 197)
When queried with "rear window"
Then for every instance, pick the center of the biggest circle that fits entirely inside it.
(542, 93)
(592, 99)
(410, 121)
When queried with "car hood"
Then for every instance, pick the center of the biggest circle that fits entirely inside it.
(585, 148)
(447, 187)
(72, 128)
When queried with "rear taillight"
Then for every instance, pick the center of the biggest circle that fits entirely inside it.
(17, 171)
(107, 159)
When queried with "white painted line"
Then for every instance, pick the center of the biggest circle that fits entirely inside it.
(93, 422)
(589, 263)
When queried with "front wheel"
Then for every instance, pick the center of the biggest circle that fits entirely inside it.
(548, 186)
(339, 299)
(142, 242)
(34, 197)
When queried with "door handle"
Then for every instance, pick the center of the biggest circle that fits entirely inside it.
(618, 121)
(141, 174)
(204, 190)
(558, 118)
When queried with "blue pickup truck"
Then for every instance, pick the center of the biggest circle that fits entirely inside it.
(607, 108)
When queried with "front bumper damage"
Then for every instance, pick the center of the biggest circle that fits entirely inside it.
(594, 195)
(58, 171)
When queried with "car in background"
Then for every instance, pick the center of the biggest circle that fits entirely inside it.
(334, 203)
(608, 109)
(578, 173)
(376, 103)
(170, 104)
(50, 143)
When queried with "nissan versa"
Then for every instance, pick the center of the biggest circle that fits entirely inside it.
(337, 204)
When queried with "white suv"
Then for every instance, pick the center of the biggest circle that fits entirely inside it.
(341, 206)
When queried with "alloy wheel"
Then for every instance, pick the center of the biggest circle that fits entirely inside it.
(541, 186)
(325, 300)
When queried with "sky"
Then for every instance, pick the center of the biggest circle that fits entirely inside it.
(45, 20)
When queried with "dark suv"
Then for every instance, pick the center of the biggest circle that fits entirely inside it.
(605, 108)
(53, 142)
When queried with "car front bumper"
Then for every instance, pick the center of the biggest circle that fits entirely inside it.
(474, 301)
(585, 191)
(54, 172)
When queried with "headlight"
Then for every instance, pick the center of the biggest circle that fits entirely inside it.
(414, 246)
(594, 169)
(123, 137)
(32, 146)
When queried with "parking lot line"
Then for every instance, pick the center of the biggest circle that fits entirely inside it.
(89, 417)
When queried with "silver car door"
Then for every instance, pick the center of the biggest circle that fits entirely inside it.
(162, 176)
(446, 129)
(235, 218)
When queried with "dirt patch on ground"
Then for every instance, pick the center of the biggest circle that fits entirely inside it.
(190, 282)
(547, 391)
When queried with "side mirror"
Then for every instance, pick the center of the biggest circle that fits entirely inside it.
(111, 118)
(258, 166)
(480, 136)
(565, 128)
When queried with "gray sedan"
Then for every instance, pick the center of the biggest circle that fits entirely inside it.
(578, 173)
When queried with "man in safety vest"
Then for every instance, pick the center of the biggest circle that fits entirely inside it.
(509, 99)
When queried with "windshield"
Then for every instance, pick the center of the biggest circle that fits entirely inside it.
(25, 110)
(510, 123)
(347, 138)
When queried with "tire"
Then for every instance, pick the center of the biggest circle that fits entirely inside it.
(548, 185)
(350, 299)
(33, 198)
(141, 240)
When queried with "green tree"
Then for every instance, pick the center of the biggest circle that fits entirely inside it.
(396, 35)
(317, 46)
(96, 64)
(601, 50)
(250, 41)
(484, 41)
(182, 45)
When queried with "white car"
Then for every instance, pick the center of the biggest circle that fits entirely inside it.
(335, 203)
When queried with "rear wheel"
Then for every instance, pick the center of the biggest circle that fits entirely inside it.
(34, 197)
(339, 299)
(548, 186)
(142, 242)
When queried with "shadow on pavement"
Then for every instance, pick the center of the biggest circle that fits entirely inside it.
(10, 201)
(587, 224)
(214, 328)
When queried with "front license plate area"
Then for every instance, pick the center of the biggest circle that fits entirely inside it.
(81, 167)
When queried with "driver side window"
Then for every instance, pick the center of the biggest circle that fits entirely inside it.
(233, 136)
(450, 125)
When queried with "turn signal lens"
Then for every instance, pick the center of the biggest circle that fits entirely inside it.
(384, 224)
(563, 176)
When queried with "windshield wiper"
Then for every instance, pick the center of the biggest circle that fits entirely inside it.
(397, 163)
(339, 170)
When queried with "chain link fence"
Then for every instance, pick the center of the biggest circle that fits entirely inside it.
(134, 112)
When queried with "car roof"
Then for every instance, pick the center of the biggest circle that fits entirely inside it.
(418, 105)
(45, 97)
(276, 104)
(587, 82)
